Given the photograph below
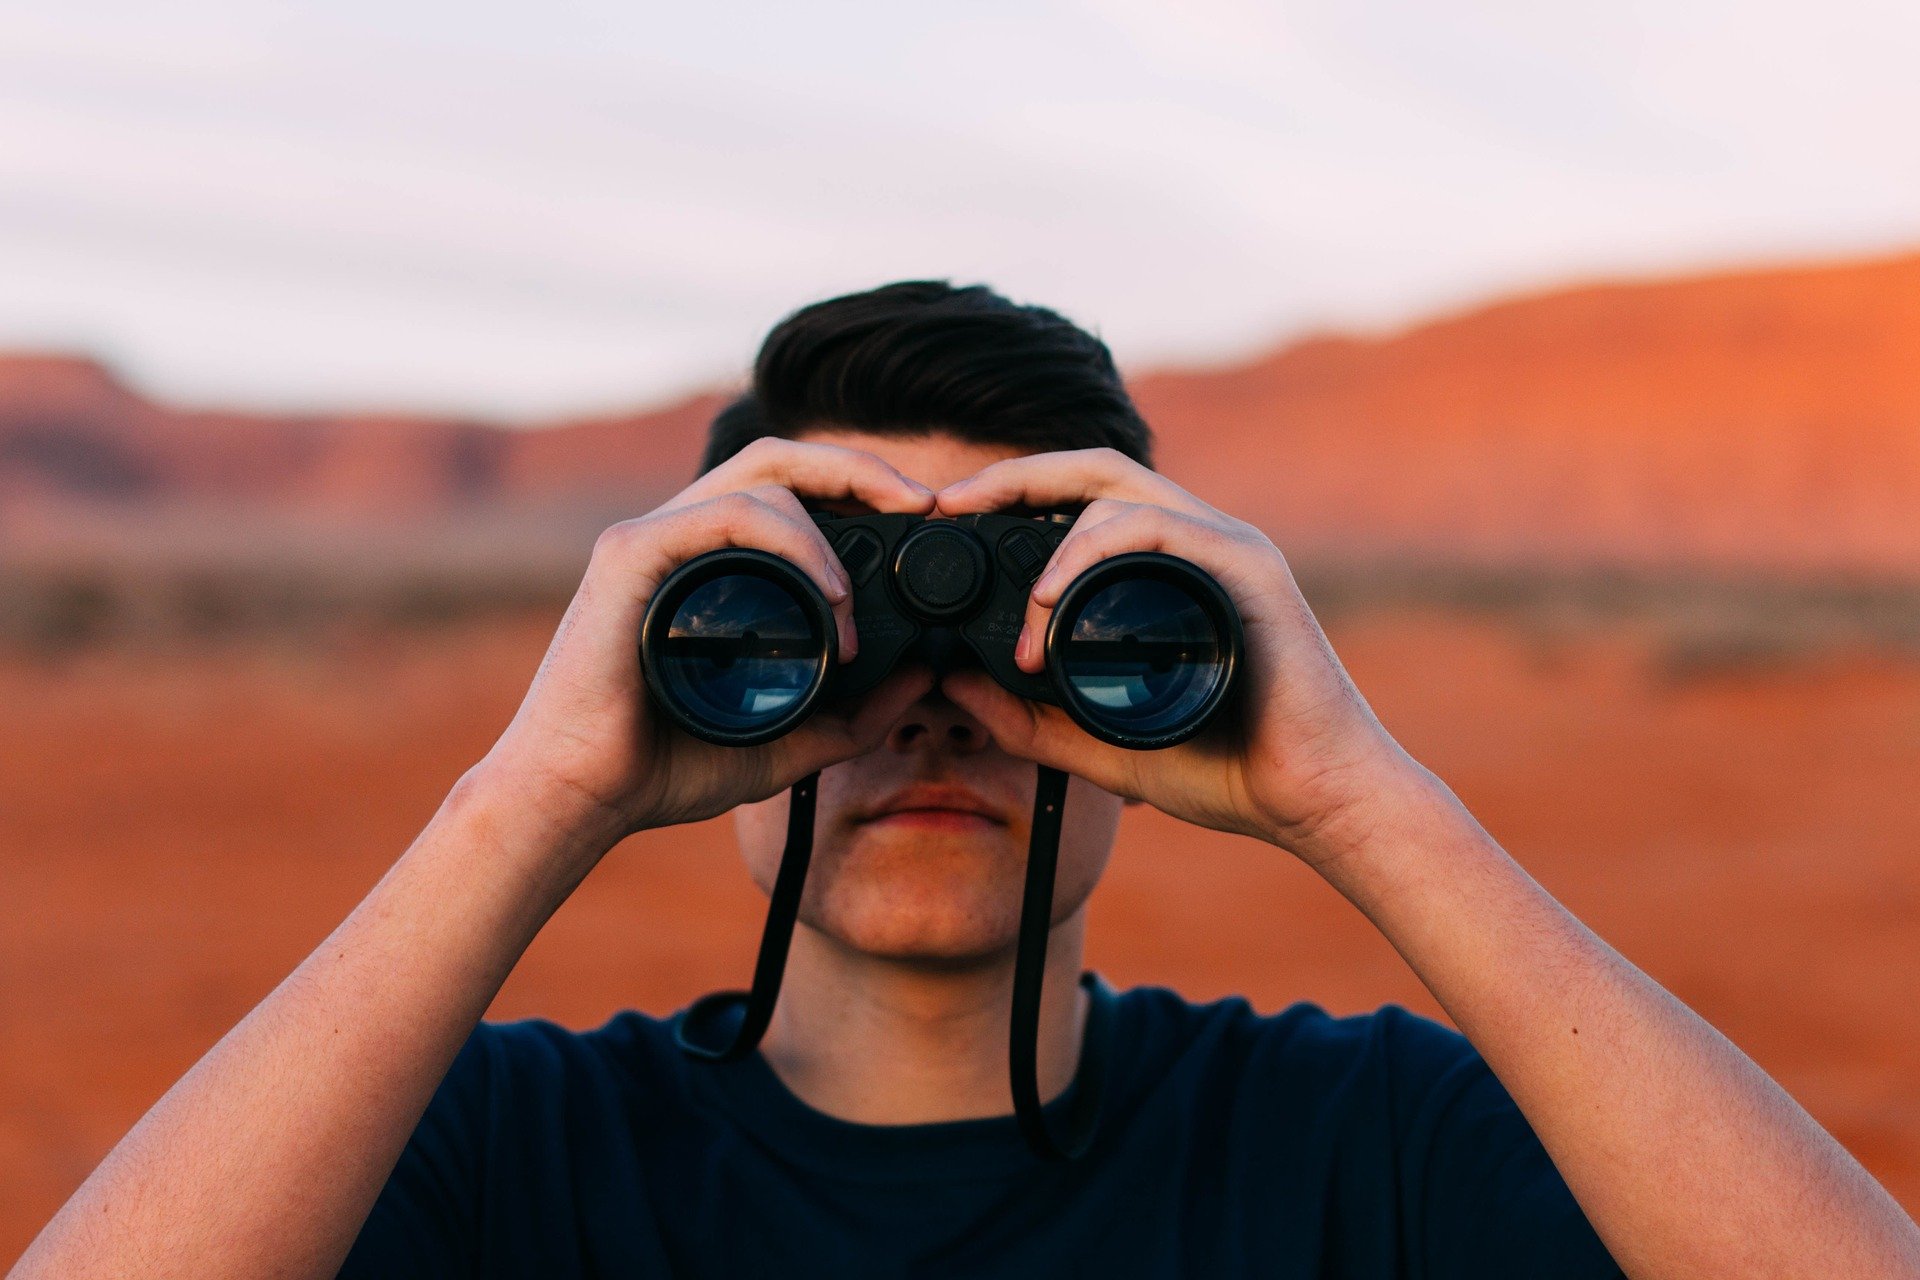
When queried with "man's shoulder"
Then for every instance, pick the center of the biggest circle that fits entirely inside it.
(1300, 1054)
(542, 1043)
(532, 1056)
(1301, 1031)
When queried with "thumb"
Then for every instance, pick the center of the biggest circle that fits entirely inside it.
(831, 736)
(1034, 731)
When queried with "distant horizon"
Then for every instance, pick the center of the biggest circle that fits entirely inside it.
(129, 375)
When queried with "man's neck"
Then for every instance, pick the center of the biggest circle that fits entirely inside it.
(880, 1041)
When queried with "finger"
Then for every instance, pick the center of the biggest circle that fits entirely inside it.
(829, 737)
(1071, 477)
(648, 549)
(1026, 649)
(1137, 528)
(783, 500)
(1037, 732)
(1119, 529)
(824, 472)
(1097, 513)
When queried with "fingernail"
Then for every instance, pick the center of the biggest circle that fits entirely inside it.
(1045, 583)
(837, 588)
(1022, 648)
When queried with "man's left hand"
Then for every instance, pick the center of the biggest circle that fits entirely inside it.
(1297, 757)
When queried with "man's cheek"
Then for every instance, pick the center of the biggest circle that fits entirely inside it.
(760, 831)
(852, 785)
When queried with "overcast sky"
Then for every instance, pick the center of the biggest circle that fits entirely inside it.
(529, 210)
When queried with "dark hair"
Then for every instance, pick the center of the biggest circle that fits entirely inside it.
(922, 355)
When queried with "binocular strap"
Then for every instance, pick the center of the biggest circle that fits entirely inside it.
(1029, 973)
(782, 911)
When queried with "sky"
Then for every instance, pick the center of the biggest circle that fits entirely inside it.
(527, 211)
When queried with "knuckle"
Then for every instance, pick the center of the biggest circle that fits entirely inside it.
(616, 539)
(774, 495)
(731, 512)
(765, 448)
(1233, 531)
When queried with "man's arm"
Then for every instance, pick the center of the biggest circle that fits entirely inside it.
(1685, 1157)
(267, 1157)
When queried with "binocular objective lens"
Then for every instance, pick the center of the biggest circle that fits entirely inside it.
(1143, 657)
(740, 652)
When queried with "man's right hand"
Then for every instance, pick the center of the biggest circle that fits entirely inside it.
(233, 1173)
(586, 742)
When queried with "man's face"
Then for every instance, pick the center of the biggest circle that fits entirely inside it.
(920, 846)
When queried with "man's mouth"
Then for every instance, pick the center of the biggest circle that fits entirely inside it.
(937, 807)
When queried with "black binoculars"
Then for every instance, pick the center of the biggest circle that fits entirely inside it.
(739, 646)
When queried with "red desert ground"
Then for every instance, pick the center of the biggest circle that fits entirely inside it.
(1635, 567)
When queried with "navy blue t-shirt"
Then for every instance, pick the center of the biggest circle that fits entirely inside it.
(1230, 1143)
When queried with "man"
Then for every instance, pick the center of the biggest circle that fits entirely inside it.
(1586, 1124)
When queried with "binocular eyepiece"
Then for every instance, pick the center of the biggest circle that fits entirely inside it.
(738, 646)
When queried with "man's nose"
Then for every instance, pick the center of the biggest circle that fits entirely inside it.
(936, 724)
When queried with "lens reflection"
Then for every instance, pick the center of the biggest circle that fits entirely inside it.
(1143, 656)
(740, 652)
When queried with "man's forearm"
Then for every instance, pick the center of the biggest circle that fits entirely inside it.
(1686, 1157)
(266, 1158)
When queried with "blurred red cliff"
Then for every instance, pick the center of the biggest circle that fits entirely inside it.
(1763, 420)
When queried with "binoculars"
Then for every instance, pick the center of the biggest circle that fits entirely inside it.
(738, 646)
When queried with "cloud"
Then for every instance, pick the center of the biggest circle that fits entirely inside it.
(508, 210)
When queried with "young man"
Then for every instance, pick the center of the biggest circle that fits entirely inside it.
(871, 1134)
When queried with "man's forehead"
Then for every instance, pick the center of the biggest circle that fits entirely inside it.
(936, 459)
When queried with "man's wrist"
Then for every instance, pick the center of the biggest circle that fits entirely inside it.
(553, 834)
(1398, 807)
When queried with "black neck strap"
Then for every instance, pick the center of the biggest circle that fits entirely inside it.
(782, 911)
(1029, 973)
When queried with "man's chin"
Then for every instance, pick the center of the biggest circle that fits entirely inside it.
(927, 951)
(929, 922)
(940, 894)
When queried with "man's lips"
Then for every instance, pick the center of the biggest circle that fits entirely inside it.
(941, 805)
